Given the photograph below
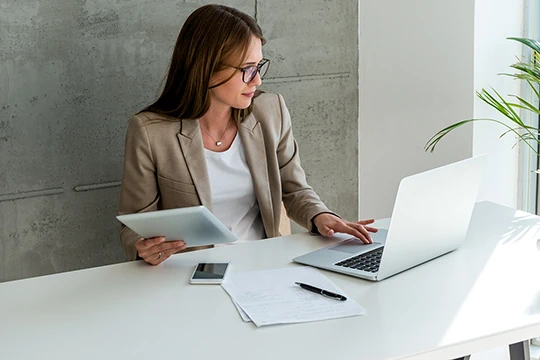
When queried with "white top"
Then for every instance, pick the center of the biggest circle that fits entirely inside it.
(233, 196)
(483, 295)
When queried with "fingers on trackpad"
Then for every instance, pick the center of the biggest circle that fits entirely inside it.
(353, 246)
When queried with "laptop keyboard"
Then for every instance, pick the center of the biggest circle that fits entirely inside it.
(366, 262)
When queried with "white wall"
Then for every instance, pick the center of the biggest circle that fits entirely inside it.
(420, 64)
(495, 20)
(415, 77)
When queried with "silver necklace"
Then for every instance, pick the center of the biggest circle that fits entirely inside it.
(218, 142)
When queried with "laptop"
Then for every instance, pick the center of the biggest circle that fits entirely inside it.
(431, 216)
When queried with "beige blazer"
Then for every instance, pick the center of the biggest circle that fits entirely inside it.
(165, 167)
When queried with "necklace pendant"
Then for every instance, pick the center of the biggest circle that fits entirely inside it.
(218, 143)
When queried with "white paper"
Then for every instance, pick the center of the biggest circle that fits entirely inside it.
(242, 313)
(271, 296)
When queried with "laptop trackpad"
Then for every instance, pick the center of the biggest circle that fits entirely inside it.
(353, 246)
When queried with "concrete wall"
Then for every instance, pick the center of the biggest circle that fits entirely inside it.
(415, 78)
(73, 71)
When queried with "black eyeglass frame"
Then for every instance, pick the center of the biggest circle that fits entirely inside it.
(245, 70)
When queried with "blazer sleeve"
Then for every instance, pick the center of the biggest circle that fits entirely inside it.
(139, 189)
(301, 202)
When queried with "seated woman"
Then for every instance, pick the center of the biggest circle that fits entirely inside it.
(211, 138)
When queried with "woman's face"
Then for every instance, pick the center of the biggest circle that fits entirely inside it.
(236, 93)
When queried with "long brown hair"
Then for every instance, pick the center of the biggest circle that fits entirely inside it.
(211, 35)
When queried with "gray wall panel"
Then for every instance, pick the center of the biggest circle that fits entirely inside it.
(325, 127)
(73, 71)
(309, 37)
(57, 233)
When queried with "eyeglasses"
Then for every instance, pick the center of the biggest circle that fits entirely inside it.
(249, 72)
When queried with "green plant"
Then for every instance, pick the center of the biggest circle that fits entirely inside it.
(529, 72)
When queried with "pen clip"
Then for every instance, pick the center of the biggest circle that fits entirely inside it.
(331, 295)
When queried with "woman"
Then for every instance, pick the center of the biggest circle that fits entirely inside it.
(212, 139)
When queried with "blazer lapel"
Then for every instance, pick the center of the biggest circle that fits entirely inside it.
(193, 149)
(252, 137)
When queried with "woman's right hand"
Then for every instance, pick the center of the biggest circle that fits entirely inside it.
(156, 250)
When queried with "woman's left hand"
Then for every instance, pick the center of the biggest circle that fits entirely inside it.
(328, 224)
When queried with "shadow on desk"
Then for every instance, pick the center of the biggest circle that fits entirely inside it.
(482, 274)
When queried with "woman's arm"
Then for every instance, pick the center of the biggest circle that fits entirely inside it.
(139, 190)
(301, 202)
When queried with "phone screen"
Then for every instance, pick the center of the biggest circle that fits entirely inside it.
(210, 271)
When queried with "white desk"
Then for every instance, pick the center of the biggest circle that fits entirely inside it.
(485, 294)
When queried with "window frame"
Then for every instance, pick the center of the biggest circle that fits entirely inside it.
(529, 162)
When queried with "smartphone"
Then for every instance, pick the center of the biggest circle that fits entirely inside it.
(209, 273)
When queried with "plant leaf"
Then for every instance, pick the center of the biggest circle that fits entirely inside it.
(514, 116)
(432, 143)
(531, 43)
(434, 140)
(526, 105)
(529, 70)
(534, 89)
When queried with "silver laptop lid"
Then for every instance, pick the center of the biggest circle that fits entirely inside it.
(437, 206)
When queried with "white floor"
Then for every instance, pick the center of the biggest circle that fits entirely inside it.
(501, 353)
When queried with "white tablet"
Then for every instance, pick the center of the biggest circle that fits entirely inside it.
(195, 225)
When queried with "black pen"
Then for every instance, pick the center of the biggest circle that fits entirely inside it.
(322, 292)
